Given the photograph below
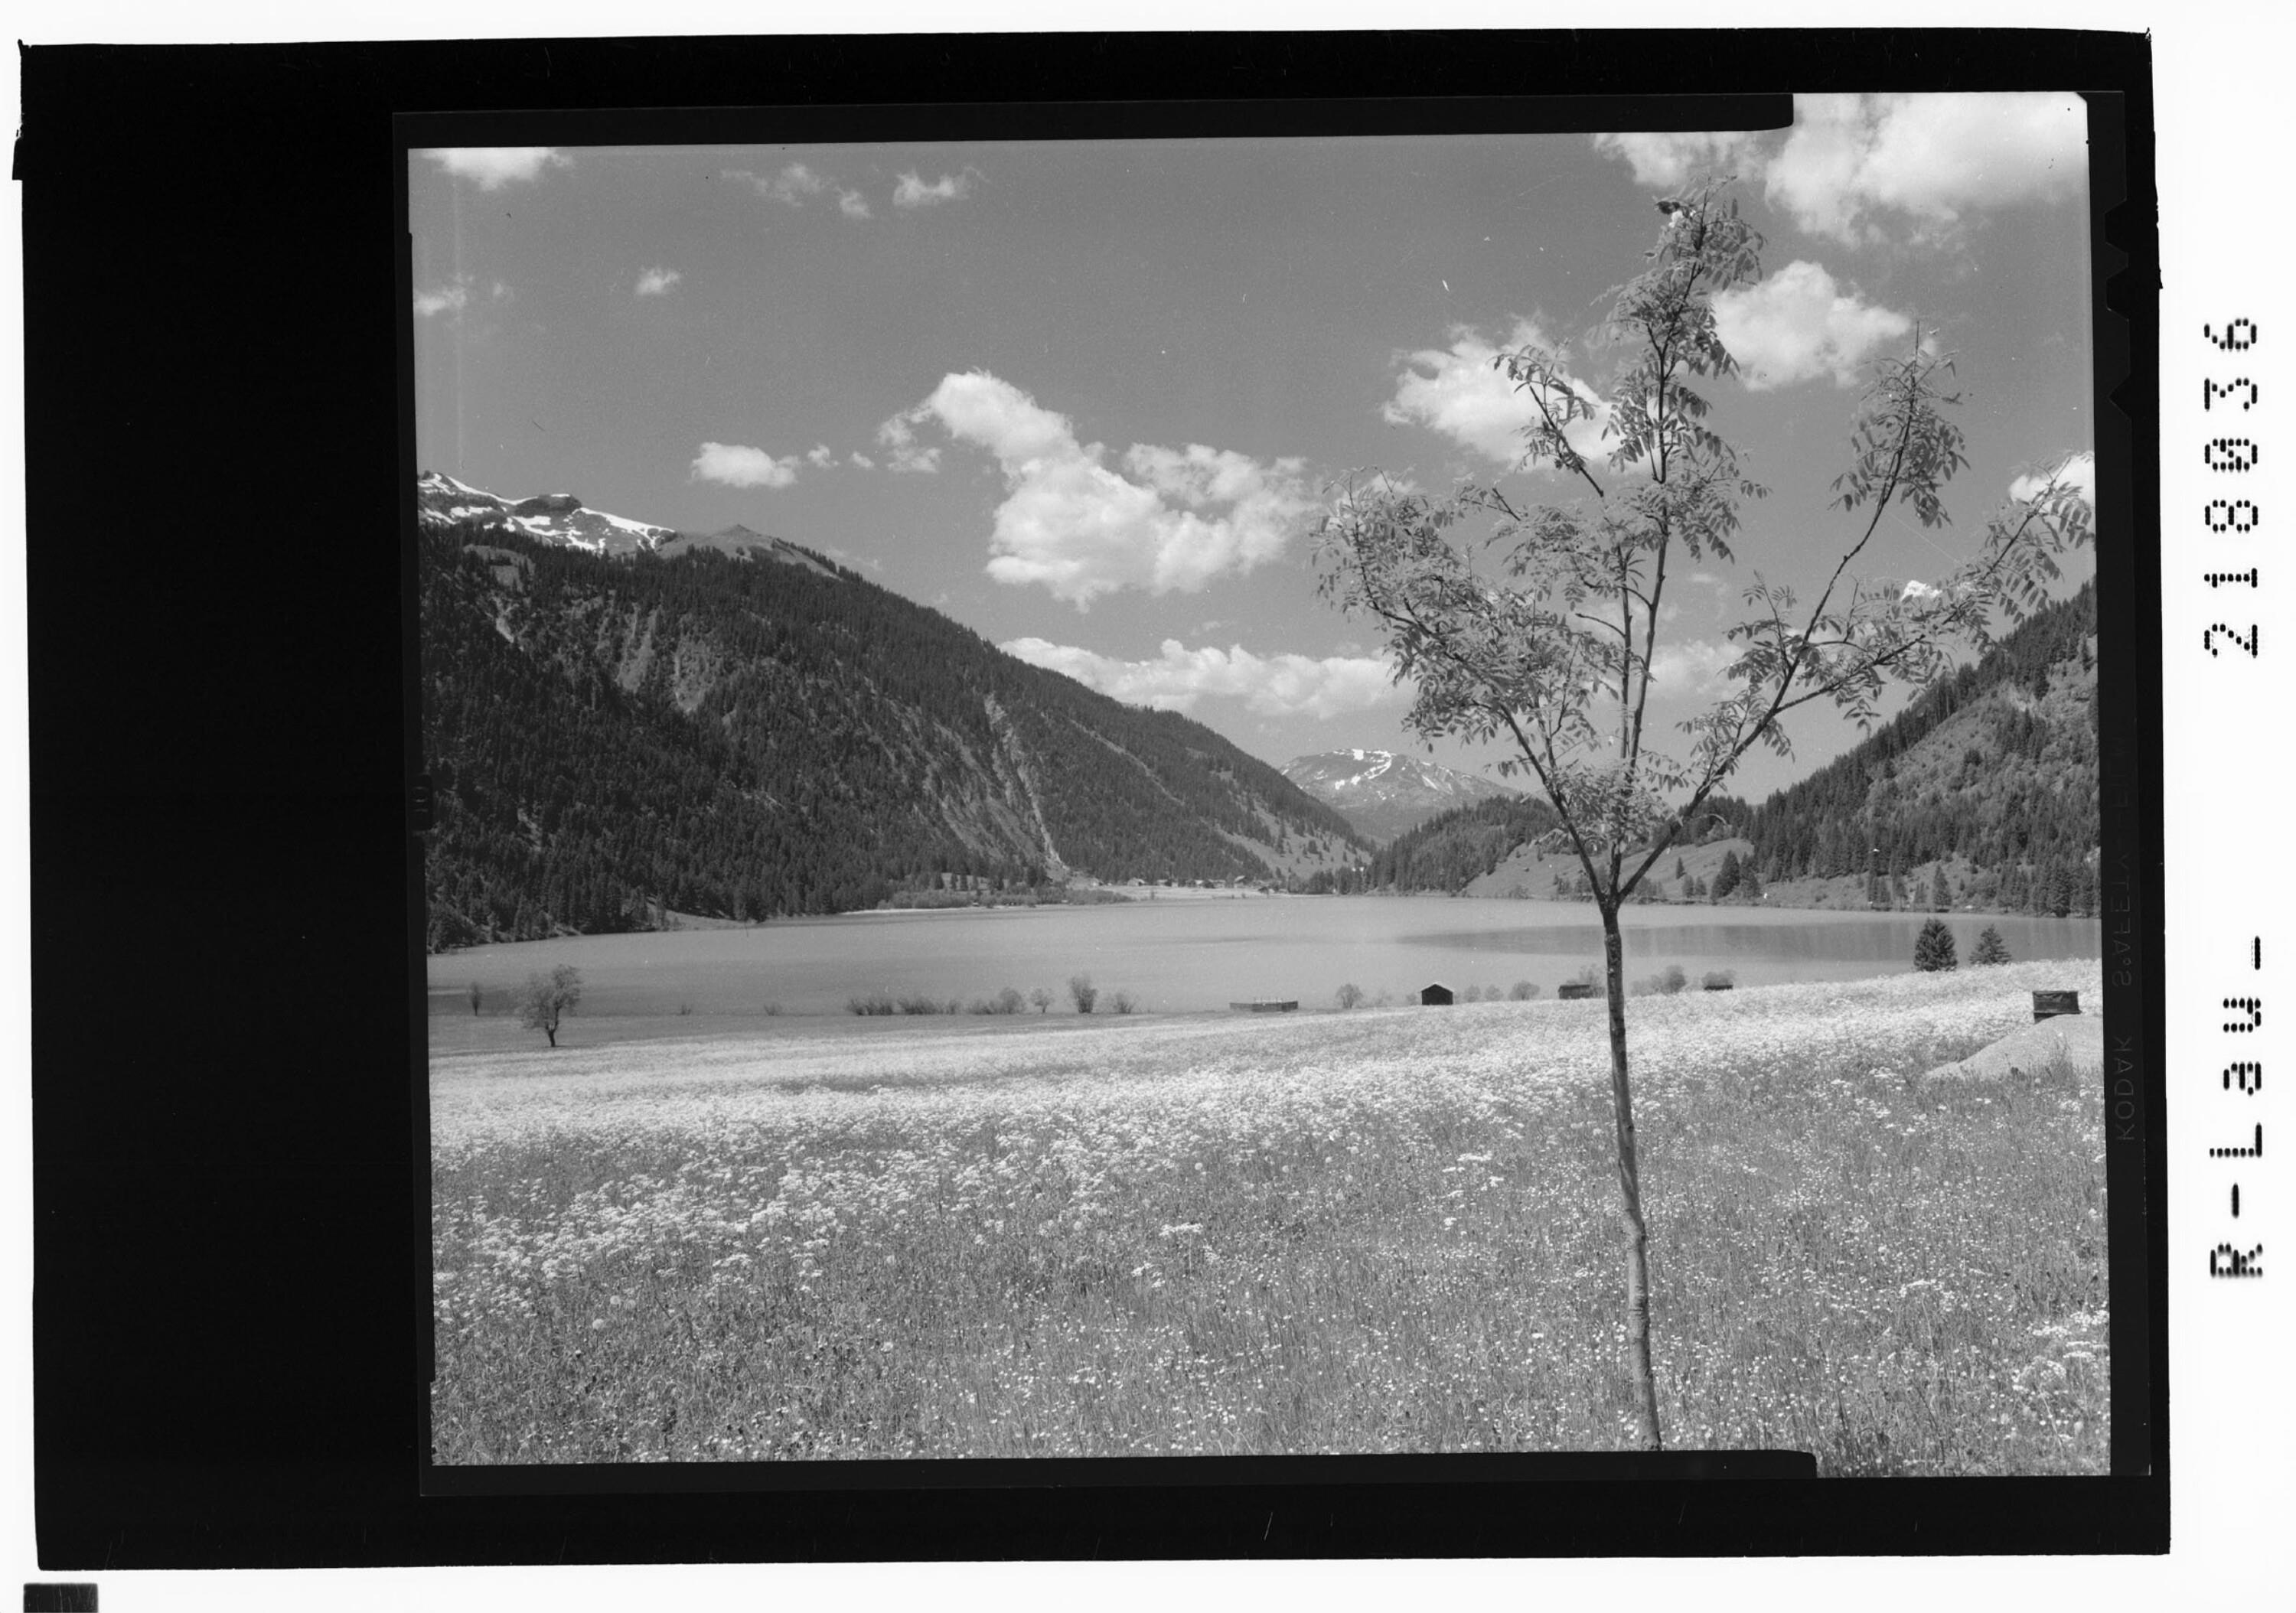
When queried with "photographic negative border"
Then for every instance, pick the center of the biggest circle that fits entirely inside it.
(289, 1488)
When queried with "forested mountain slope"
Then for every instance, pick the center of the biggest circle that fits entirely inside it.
(1994, 771)
(699, 729)
(1988, 777)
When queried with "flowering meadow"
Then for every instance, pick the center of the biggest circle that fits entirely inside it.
(1384, 1230)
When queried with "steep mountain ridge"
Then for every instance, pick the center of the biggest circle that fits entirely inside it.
(1383, 793)
(612, 734)
(552, 518)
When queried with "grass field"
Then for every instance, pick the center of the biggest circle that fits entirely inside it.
(1386, 1230)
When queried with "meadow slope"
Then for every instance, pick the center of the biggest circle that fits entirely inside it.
(1387, 1230)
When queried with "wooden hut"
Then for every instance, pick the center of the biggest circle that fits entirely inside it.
(1431, 995)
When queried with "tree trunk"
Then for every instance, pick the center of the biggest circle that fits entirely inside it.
(1630, 1194)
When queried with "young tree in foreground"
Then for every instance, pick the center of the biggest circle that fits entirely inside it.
(546, 997)
(1554, 656)
(1990, 947)
(1933, 949)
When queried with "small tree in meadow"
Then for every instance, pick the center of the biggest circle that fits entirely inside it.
(1933, 947)
(477, 995)
(1990, 947)
(548, 997)
(1083, 993)
(1349, 995)
(1041, 998)
(1552, 651)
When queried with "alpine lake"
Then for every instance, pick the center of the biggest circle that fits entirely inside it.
(1195, 952)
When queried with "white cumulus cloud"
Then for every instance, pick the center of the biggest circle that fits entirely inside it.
(1798, 324)
(446, 299)
(1459, 392)
(1929, 159)
(1169, 518)
(792, 185)
(898, 438)
(2080, 470)
(820, 456)
(913, 191)
(1272, 685)
(1668, 160)
(741, 466)
(799, 182)
(860, 461)
(655, 283)
(1692, 670)
(492, 167)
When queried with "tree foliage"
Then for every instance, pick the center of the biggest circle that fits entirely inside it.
(1933, 949)
(1536, 624)
(1990, 947)
(1553, 654)
(547, 997)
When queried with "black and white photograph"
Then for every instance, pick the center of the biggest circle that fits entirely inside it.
(1265, 797)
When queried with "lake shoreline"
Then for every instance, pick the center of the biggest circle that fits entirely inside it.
(1172, 956)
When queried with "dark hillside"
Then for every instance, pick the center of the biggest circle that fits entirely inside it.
(703, 733)
(1447, 851)
(1993, 772)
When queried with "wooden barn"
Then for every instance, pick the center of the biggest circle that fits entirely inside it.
(1433, 995)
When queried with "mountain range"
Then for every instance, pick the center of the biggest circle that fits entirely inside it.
(563, 520)
(1383, 793)
(624, 722)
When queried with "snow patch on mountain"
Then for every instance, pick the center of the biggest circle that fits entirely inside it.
(1383, 793)
(555, 518)
(562, 518)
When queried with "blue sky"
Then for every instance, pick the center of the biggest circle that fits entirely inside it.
(1088, 397)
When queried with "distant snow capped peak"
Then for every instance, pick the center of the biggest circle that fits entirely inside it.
(555, 518)
(562, 518)
(1383, 793)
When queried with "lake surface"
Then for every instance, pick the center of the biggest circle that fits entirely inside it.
(1189, 955)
